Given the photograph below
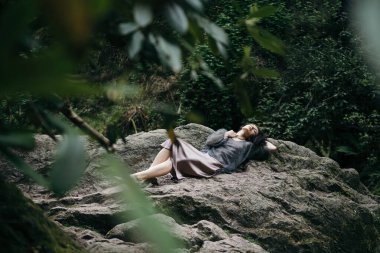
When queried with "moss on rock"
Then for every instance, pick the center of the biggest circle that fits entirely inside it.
(24, 227)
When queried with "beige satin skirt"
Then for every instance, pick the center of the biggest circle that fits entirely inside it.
(190, 162)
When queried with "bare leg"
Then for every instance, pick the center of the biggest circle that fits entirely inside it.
(161, 157)
(157, 170)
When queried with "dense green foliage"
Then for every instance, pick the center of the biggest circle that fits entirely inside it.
(325, 98)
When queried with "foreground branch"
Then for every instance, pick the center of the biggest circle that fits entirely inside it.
(68, 111)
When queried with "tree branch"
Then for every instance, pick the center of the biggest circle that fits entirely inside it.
(68, 111)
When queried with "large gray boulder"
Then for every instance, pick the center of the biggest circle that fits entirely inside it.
(294, 202)
(203, 236)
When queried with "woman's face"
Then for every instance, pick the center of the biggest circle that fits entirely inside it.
(248, 131)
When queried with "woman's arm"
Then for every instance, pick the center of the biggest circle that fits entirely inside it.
(270, 147)
(217, 138)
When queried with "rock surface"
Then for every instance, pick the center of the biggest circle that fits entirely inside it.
(294, 202)
(203, 236)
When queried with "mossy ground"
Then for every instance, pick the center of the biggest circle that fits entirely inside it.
(24, 227)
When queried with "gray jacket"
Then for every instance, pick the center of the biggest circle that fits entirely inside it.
(230, 153)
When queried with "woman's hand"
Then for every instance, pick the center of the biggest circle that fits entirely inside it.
(230, 134)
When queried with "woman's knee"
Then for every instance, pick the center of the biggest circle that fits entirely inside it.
(165, 150)
(168, 165)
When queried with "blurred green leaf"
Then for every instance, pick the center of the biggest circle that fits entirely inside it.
(213, 78)
(264, 11)
(212, 29)
(170, 54)
(119, 91)
(14, 20)
(44, 75)
(195, 117)
(17, 140)
(176, 17)
(71, 19)
(222, 49)
(21, 165)
(165, 108)
(69, 165)
(267, 40)
(196, 32)
(243, 98)
(169, 114)
(207, 72)
(134, 197)
(195, 4)
(246, 52)
(136, 44)
(55, 122)
(264, 72)
(142, 14)
(367, 20)
(100, 7)
(127, 28)
(217, 47)
(212, 45)
(252, 21)
(247, 61)
(346, 150)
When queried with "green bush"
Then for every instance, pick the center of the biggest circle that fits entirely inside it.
(325, 98)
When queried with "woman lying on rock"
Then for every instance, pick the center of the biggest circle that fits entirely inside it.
(225, 151)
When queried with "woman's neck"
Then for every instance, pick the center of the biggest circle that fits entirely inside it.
(238, 138)
(240, 135)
